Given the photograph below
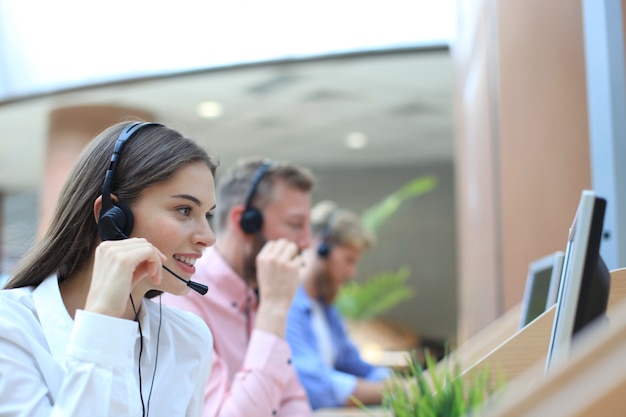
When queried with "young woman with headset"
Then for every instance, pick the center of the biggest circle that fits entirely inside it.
(78, 336)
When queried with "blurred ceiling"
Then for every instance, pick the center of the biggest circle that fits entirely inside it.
(398, 103)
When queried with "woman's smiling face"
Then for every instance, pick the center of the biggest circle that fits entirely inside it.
(174, 217)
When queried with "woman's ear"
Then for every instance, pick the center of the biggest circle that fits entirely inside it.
(97, 207)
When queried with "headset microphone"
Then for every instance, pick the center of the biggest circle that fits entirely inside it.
(196, 286)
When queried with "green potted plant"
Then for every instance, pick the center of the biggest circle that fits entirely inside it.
(424, 388)
(362, 303)
(436, 391)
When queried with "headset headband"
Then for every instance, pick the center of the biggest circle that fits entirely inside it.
(125, 134)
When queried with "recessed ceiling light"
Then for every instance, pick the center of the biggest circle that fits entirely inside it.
(210, 109)
(356, 140)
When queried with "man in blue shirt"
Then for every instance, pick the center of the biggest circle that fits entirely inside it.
(328, 364)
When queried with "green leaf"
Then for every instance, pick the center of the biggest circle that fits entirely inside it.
(379, 213)
(379, 293)
(376, 295)
(438, 391)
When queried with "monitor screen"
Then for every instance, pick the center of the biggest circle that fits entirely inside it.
(542, 284)
(555, 281)
(585, 280)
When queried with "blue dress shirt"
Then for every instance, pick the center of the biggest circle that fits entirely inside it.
(326, 386)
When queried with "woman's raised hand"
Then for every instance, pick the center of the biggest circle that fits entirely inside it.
(118, 266)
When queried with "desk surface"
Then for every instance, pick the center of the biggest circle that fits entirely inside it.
(395, 359)
(350, 412)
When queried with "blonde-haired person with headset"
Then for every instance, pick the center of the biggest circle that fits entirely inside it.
(328, 363)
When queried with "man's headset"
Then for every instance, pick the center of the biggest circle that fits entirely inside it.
(252, 219)
(116, 218)
(325, 246)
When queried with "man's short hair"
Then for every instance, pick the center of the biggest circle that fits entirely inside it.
(234, 185)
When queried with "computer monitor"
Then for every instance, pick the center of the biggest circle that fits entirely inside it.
(542, 284)
(585, 280)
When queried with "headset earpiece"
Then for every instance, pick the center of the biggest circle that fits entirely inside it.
(116, 223)
(116, 218)
(324, 248)
(252, 219)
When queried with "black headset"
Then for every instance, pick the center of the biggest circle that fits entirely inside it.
(252, 219)
(116, 219)
(323, 249)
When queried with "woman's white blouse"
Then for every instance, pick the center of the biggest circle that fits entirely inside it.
(51, 365)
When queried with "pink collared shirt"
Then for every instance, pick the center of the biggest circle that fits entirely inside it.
(252, 372)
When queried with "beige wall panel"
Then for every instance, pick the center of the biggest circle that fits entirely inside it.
(544, 146)
(477, 229)
(522, 145)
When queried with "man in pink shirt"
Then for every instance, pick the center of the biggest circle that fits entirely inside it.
(262, 223)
